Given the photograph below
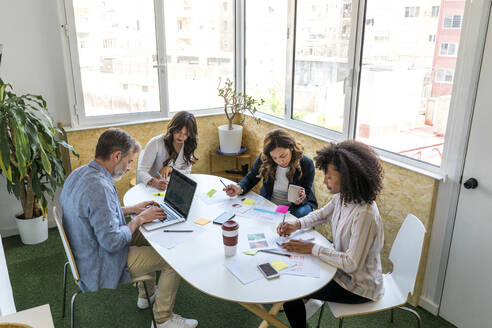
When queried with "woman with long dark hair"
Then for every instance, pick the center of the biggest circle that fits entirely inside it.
(174, 149)
(281, 163)
(353, 174)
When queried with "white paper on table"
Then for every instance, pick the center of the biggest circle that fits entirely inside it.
(267, 214)
(298, 234)
(234, 205)
(171, 239)
(218, 197)
(244, 268)
(306, 265)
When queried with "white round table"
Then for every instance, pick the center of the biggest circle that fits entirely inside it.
(200, 261)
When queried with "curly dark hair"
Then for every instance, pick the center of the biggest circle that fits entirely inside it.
(283, 139)
(180, 120)
(361, 173)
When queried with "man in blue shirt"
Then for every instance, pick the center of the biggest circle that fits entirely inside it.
(108, 251)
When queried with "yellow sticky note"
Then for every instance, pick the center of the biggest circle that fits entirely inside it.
(248, 201)
(250, 252)
(279, 265)
(211, 192)
(202, 221)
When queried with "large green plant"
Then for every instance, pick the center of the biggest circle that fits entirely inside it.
(236, 103)
(30, 153)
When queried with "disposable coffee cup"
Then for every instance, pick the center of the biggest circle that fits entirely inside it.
(230, 233)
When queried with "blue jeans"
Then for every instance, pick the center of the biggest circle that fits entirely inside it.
(300, 211)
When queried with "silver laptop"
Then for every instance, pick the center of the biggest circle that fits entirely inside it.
(177, 202)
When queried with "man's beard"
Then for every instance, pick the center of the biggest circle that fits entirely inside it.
(118, 172)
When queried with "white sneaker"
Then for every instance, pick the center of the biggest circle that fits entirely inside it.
(143, 303)
(177, 321)
(312, 305)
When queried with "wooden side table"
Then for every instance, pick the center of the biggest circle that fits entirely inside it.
(236, 162)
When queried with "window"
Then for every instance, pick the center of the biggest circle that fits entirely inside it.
(321, 65)
(412, 11)
(435, 11)
(401, 107)
(444, 75)
(266, 53)
(192, 82)
(122, 66)
(448, 49)
(452, 21)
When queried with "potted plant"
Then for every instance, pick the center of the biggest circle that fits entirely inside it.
(235, 104)
(30, 159)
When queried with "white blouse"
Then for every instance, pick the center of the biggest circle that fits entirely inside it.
(358, 237)
(153, 156)
(280, 186)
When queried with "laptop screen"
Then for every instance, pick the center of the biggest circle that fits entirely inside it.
(180, 192)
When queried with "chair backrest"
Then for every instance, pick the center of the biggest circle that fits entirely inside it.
(406, 252)
(66, 246)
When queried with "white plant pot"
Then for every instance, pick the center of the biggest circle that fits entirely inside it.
(230, 140)
(33, 231)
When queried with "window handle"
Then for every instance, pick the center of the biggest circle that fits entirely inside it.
(347, 81)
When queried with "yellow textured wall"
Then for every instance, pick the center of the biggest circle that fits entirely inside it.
(404, 191)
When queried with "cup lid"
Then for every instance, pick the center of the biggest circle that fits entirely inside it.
(230, 225)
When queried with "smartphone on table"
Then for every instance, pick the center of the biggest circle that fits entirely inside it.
(225, 216)
(268, 271)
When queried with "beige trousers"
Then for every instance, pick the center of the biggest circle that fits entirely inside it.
(142, 260)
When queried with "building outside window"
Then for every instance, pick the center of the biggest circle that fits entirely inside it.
(412, 11)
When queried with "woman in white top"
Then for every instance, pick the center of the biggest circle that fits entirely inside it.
(173, 150)
(354, 175)
(281, 163)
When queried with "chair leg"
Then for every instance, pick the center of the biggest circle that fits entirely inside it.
(150, 304)
(64, 289)
(72, 309)
(392, 315)
(321, 314)
(415, 313)
(340, 323)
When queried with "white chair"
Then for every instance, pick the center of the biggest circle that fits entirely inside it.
(398, 285)
(76, 277)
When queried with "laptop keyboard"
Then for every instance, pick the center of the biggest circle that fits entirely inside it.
(170, 215)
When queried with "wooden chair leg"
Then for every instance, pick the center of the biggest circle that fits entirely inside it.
(150, 304)
(64, 288)
(340, 323)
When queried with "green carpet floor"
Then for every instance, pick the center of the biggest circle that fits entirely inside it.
(36, 274)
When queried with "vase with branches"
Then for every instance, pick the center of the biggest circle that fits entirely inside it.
(236, 103)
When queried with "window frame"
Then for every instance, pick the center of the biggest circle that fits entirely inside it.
(78, 120)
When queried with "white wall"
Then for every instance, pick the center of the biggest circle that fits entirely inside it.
(32, 62)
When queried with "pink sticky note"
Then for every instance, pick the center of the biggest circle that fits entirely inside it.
(282, 209)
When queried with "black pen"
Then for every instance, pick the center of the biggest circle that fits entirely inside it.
(222, 182)
(177, 230)
(273, 252)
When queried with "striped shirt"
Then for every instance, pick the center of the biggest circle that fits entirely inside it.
(358, 237)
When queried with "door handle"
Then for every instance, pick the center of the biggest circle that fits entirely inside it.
(471, 183)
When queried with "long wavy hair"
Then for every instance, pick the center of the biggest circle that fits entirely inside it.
(361, 173)
(283, 139)
(180, 120)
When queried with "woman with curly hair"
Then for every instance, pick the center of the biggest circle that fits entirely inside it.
(174, 149)
(281, 163)
(353, 174)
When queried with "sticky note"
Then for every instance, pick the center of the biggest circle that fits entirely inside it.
(250, 252)
(282, 209)
(211, 192)
(202, 221)
(248, 201)
(279, 265)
